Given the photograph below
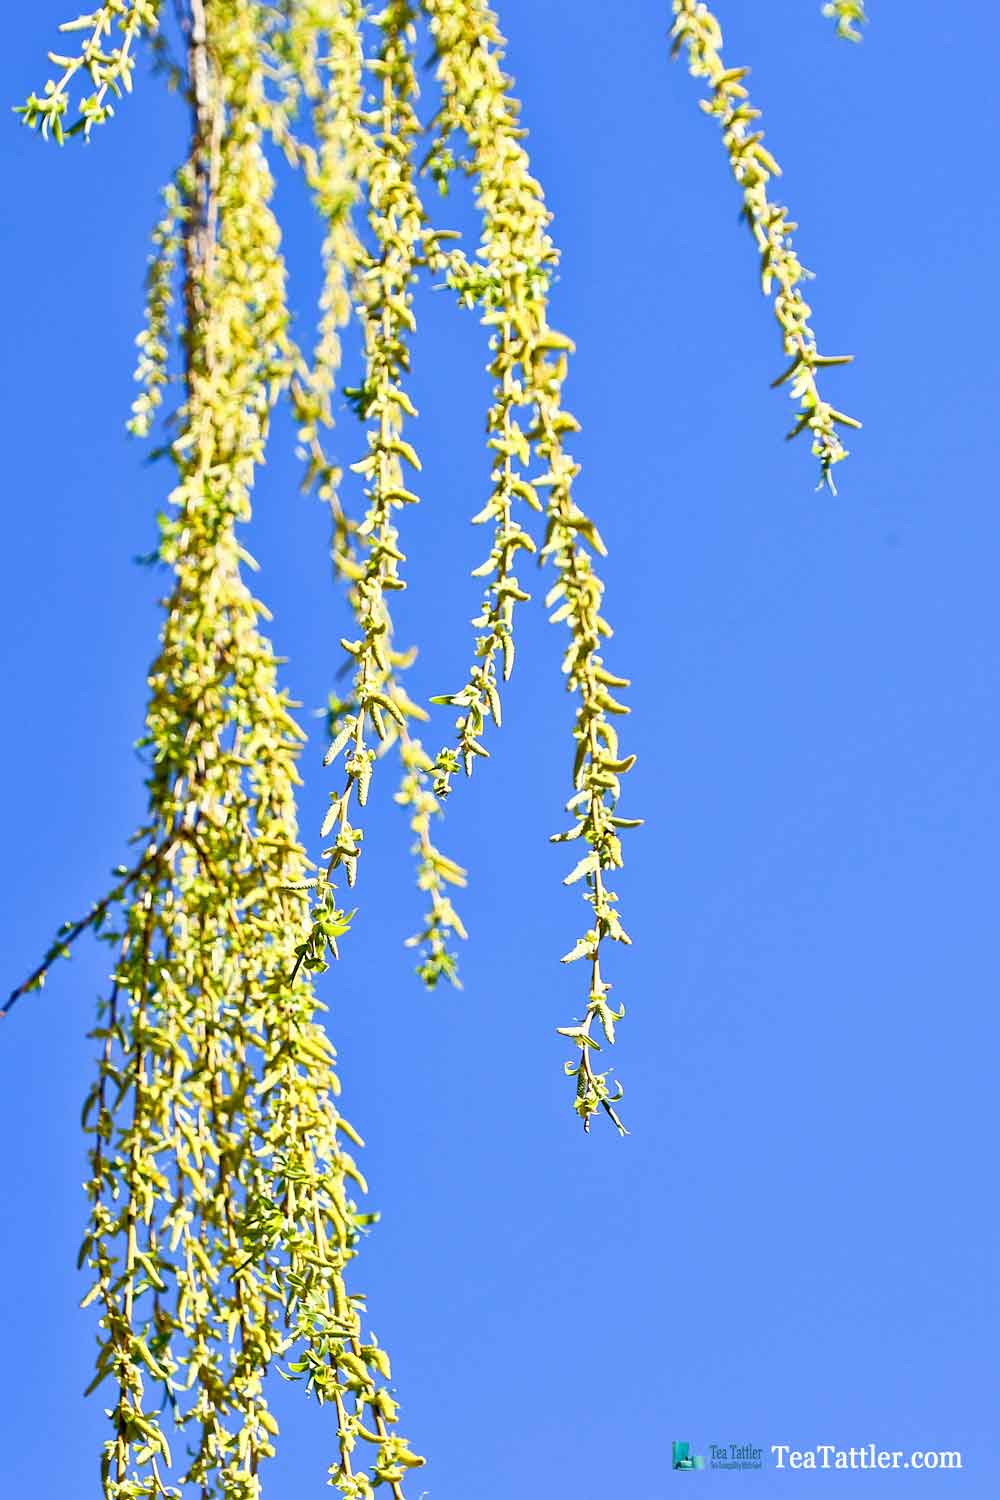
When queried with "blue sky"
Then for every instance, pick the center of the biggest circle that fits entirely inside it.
(797, 1242)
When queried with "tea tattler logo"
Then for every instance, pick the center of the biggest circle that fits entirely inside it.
(685, 1459)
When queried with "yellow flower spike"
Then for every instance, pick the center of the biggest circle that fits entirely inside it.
(697, 32)
(509, 282)
(222, 1213)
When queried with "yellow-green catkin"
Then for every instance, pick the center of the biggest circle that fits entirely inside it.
(698, 33)
(324, 50)
(368, 151)
(105, 59)
(849, 15)
(223, 1215)
(152, 372)
(383, 279)
(528, 424)
(231, 1155)
(223, 1218)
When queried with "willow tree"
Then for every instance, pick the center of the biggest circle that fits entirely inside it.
(223, 1216)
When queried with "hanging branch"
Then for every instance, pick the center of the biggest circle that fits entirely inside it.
(371, 149)
(325, 58)
(223, 1217)
(697, 31)
(109, 69)
(154, 340)
(509, 282)
(384, 277)
(222, 1222)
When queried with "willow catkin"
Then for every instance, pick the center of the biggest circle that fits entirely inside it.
(698, 33)
(384, 278)
(325, 54)
(223, 1219)
(528, 423)
(107, 67)
(849, 15)
(369, 152)
(154, 341)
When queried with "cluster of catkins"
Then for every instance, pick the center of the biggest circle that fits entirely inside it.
(223, 1217)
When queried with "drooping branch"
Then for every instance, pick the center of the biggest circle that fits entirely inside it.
(223, 1222)
(509, 283)
(697, 32)
(108, 68)
(222, 1219)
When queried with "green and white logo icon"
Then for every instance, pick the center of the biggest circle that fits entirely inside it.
(685, 1459)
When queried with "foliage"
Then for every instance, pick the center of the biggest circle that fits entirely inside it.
(698, 32)
(223, 1219)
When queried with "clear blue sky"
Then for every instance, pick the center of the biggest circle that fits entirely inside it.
(797, 1243)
